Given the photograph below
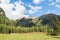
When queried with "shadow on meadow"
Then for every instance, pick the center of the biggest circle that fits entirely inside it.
(56, 37)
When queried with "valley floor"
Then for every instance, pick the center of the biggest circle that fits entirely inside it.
(28, 36)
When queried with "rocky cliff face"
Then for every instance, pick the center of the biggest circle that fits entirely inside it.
(2, 12)
(3, 18)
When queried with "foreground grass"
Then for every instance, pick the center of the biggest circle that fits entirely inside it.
(27, 36)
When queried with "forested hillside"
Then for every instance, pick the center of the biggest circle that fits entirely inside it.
(49, 23)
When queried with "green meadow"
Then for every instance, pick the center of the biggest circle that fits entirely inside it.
(28, 36)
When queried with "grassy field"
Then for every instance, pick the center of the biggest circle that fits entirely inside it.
(27, 36)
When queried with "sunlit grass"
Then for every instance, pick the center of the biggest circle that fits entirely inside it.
(27, 36)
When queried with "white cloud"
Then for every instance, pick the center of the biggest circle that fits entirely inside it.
(57, 0)
(38, 7)
(8, 8)
(48, 12)
(53, 3)
(53, 0)
(34, 9)
(5, 1)
(57, 5)
(51, 11)
(19, 11)
(30, 11)
(50, 0)
(26, 16)
(37, 1)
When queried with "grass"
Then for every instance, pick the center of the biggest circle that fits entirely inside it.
(27, 36)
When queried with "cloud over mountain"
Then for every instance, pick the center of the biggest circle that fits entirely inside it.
(17, 9)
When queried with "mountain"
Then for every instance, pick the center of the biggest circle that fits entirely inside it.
(25, 22)
(28, 22)
(48, 18)
(3, 18)
(42, 20)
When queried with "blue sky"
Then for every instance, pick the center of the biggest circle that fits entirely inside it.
(17, 9)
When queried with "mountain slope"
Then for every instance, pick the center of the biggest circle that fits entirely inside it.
(3, 18)
(25, 22)
(48, 18)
